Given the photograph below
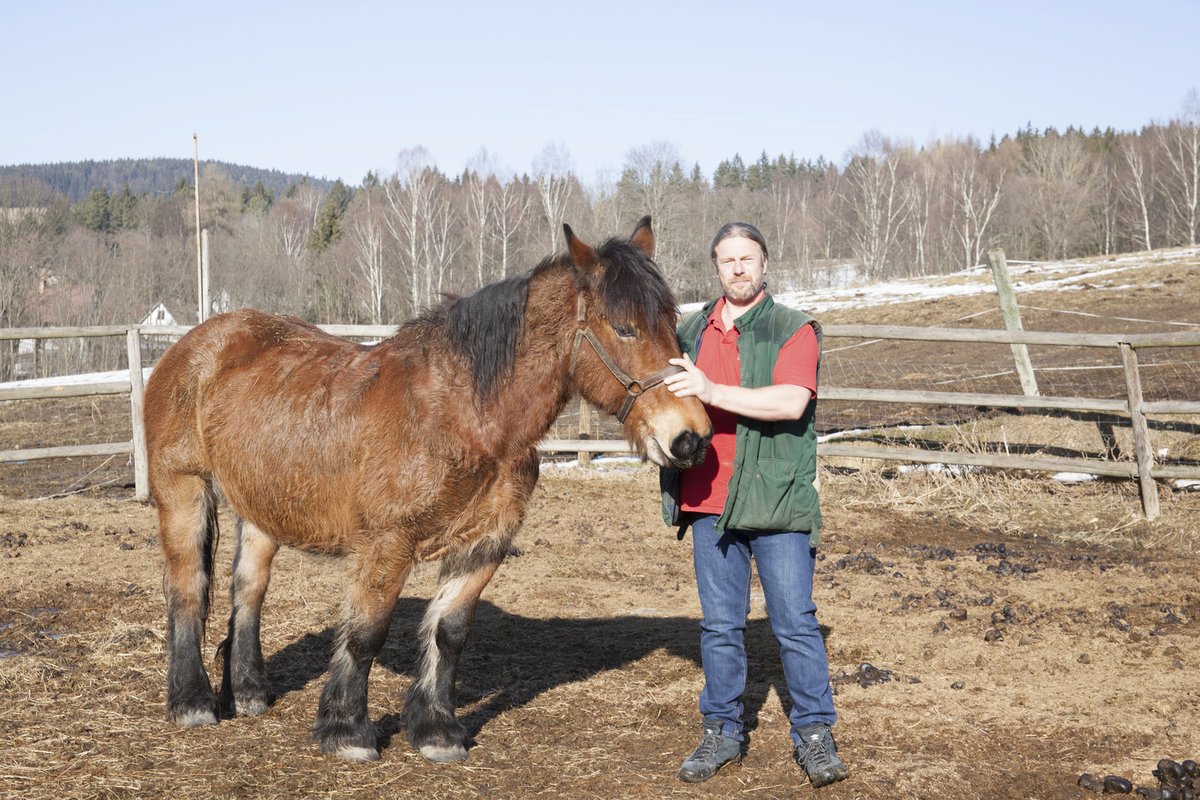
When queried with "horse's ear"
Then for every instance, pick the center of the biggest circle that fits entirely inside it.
(643, 237)
(582, 254)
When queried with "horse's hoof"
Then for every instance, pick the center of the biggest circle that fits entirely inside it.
(196, 717)
(443, 754)
(251, 707)
(358, 754)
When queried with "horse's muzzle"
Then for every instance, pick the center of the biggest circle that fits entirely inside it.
(688, 449)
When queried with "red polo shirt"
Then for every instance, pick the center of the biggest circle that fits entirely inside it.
(705, 488)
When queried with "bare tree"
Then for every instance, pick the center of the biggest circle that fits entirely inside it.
(653, 183)
(876, 201)
(479, 184)
(512, 203)
(555, 182)
(975, 190)
(367, 237)
(1138, 185)
(292, 218)
(413, 203)
(1179, 143)
(924, 195)
(1062, 179)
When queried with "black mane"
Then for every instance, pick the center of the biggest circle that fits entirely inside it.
(487, 326)
(631, 290)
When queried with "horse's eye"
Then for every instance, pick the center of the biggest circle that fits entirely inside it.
(625, 331)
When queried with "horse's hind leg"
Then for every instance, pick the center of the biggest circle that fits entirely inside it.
(187, 527)
(343, 725)
(429, 707)
(244, 687)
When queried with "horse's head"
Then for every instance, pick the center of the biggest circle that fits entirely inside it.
(626, 333)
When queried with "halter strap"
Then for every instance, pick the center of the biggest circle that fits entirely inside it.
(634, 388)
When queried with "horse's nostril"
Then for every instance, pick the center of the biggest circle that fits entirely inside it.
(688, 445)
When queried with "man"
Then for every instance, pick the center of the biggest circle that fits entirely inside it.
(753, 363)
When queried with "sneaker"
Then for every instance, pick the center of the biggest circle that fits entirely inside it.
(714, 751)
(817, 754)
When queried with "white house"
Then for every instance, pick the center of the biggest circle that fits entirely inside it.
(159, 315)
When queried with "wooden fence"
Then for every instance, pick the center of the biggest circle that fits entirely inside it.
(1134, 406)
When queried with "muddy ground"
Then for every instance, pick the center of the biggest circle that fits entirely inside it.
(1021, 654)
(1033, 631)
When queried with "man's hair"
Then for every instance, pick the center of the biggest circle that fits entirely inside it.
(743, 230)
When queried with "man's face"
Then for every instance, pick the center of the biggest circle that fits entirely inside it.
(741, 266)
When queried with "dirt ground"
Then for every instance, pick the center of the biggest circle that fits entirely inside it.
(1022, 652)
(1031, 631)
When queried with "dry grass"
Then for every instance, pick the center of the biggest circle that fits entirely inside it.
(581, 676)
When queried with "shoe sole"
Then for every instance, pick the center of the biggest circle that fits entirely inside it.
(826, 778)
(691, 777)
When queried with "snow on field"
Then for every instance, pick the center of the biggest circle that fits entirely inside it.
(74, 380)
(1027, 277)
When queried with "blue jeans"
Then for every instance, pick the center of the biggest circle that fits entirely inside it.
(785, 570)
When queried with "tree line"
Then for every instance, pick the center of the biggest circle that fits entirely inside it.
(77, 179)
(382, 251)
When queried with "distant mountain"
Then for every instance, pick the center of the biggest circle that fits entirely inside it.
(76, 179)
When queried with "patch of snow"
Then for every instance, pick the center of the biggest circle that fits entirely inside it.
(603, 463)
(1073, 477)
(75, 380)
(938, 469)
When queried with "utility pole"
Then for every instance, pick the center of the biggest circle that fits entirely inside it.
(199, 250)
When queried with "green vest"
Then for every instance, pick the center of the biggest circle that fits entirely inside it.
(775, 463)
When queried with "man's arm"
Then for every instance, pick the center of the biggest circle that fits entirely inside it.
(769, 403)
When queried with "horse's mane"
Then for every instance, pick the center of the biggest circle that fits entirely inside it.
(487, 326)
(631, 290)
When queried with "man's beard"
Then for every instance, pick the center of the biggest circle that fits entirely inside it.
(744, 292)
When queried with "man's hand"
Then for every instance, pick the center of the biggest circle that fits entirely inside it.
(689, 383)
(775, 402)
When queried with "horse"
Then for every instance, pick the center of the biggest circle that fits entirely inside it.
(422, 447)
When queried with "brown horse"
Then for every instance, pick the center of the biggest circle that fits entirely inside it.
(420, 447)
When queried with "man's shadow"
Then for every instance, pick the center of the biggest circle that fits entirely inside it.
(510, 659)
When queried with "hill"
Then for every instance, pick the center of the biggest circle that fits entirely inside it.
(75, 179)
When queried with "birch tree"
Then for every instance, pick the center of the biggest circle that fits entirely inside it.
(1179, 145)
(367, 236)
(512, 204)
(415, 220)
(1138, 183)
(876, 202)
(975, 190)
(555, 183)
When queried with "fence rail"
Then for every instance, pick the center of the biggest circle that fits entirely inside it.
(1144, 470)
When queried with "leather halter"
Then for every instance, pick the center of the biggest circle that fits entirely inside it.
(634, 388)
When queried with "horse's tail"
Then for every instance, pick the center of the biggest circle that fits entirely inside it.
(210, 537)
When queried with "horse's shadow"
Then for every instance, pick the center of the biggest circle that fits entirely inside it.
(510, 659)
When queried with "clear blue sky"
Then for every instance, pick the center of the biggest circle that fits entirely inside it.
(335, 89)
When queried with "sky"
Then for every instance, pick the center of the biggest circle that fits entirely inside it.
(337, 89)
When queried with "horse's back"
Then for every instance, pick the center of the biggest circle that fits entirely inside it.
(258, 401)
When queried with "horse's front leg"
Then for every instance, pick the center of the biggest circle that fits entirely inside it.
(429, 706)
(244, 687)
(343, 726)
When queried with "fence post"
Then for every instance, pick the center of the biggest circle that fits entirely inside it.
(1012, 320)
(137, 398)
(1141, 433)
(585, 429)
